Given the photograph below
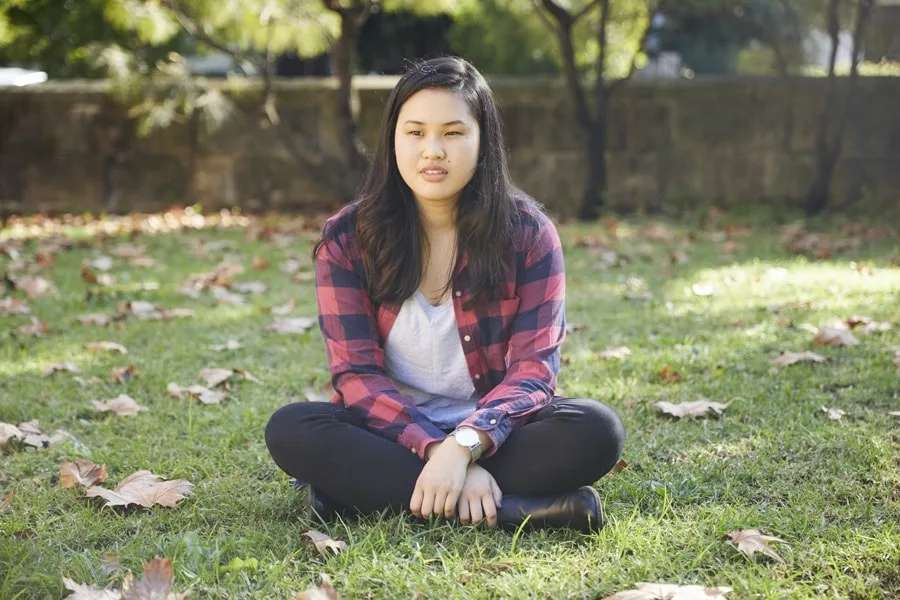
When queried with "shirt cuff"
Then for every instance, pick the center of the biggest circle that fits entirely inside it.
(417, 436)
(496, 424)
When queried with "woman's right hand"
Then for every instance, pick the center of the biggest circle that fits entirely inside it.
(479, 498)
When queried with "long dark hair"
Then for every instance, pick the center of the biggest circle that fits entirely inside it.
(388, 225)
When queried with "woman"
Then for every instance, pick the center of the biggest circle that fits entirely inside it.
(441, 296)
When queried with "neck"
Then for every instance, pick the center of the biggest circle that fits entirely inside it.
(438, 217)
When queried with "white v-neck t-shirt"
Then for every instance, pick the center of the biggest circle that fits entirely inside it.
(424, 357)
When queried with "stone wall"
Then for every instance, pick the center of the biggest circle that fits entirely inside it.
(67, 147)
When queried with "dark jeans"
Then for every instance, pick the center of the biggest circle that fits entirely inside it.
(566, 444)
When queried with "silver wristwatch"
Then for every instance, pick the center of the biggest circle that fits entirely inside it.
(468, 438)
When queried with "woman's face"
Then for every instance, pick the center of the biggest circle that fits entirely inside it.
(436, 143)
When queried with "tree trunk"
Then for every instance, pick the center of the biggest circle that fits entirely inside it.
(830, 137)
(344, 61)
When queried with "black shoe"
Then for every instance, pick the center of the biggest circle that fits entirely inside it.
(325, 509)
(579, 510)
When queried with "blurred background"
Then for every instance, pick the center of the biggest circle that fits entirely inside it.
(620, 105)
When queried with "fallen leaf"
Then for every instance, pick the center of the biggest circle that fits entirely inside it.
(323, 394)
(13, 306)
(290, 266)
(786, 359)
(325, 592)
(226, 297)
(81, 472)
(324, 543)
(247, 375)
(666, 591)
(127, 250)
(669, 375)
(109, 563)
(105, 347)
(7, 501)
(101, 263)
(214, 377)
(205, 395)
(285, 309)
(94, 319)
(31, 435)
(142, 261)
(260, 263)
(750, 541)
(303, 276)
(89, 592)
(774, 308)
(679, 257)
(56, 368)
(124, 374)
(123, 405)
(610, 353)
(229, 345)
(618, 467)
(145, 489)
(830, 336)
(34, 286)
(294, 325)
(697, 408)
(638, 296)
(250, 287)
(835, 414)
(895, 413)
(36, 328)
(575, 327)
(9, 432)
(703, 289)
(154, 584)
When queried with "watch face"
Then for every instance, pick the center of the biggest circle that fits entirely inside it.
(467, 437)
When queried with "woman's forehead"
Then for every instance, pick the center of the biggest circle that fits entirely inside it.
(435, 107)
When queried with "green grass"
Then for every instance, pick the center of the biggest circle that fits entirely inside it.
(831, 489)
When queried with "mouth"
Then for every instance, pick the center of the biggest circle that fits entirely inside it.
(433, 174)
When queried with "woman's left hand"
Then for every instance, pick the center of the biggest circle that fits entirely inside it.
(441, 480)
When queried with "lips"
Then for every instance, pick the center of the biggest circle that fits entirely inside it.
(433, 173)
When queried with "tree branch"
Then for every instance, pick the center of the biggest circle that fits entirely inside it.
(632, 68)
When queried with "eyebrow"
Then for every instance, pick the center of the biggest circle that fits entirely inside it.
(447, 124)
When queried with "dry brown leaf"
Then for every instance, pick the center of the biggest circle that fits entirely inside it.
(324, 543)
(897, 357)
(290, 266)
(36, 328)
(56, 368)
(205, 395)
(667, 591)
(81, 472)
(618, 467)
(750, 541)
(101, 263)
(123, 405)
(89, 592)
(124, 374)
(832, 336)
(155, 584)
(303, 276)
(669, 375)
(215, 376)
(294, 325)
(322, 394)
(835, 414)
(94, 319)
(127, 250)
(868, 325)
(895, 413)
(31, 435)
(697, 408)
(6, 502)
(703, 290)
(786, 359)
(144, 262)
(35, 287)
(105, 347)
(8, 432)
(610, 353)
(325, 592)
(774, 308)
(145, 489)
(109, 563)
(229, 345)
(248, 375)
(260, 263)
(13, 306)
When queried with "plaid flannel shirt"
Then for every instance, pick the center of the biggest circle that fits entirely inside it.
(512, 346)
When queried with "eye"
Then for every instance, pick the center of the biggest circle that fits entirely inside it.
(454, 133)
(415, 132)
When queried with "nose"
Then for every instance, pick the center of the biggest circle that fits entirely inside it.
(432, 149)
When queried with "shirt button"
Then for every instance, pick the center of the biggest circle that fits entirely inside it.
(477, 376)
(493, 421)
(458, 293)
(413, 450)
(468, 338)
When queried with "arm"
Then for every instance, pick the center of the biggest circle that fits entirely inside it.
(356, 358)
(533, 354)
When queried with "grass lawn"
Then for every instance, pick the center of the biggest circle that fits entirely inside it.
(691, 298)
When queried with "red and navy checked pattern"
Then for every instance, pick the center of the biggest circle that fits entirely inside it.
(512, 346)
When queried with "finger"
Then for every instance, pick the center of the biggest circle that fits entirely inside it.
(476, 511)
(427, 503)
(437, 503)
(415, 502)
(495, 491)
(490, 510)
(450, 504)
(463, 510)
